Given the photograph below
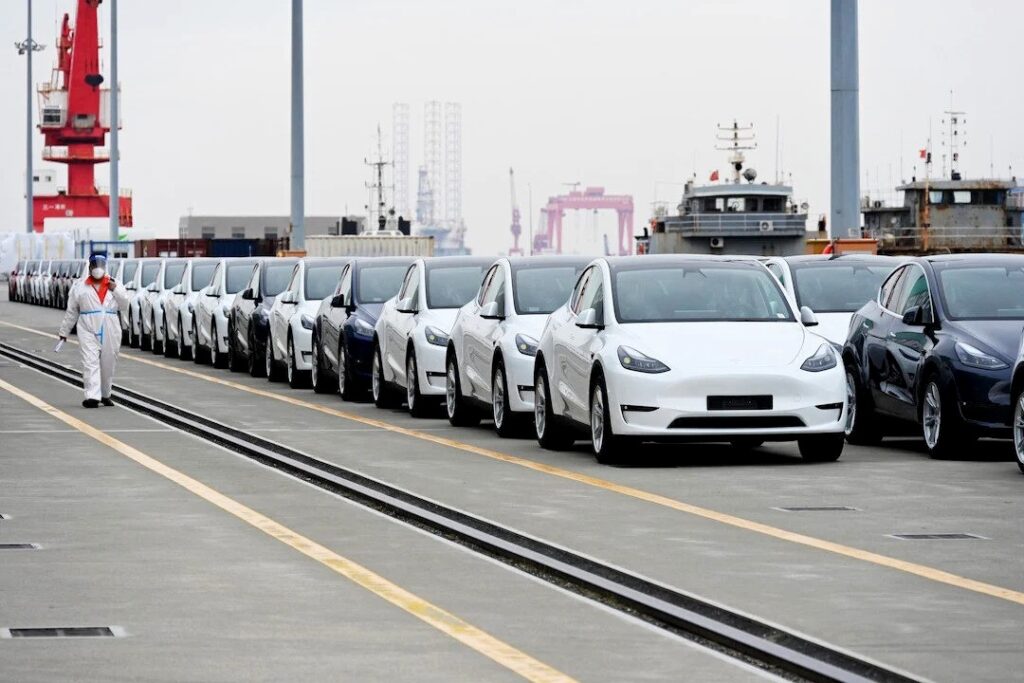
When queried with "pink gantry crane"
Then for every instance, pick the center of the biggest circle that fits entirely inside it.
(517, 228)
(592, 198)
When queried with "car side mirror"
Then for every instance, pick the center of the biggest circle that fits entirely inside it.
(917, 316)
(587, 319)
(211, 293)
(178, 289)
(491, 311)
(338, 301)
(807, 317)
(407, 306)
(248, 295)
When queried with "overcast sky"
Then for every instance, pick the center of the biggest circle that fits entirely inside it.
(625, 95)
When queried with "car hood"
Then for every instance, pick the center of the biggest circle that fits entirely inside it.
(530, 325)
(1001, 336)
(833, 326)
(702, 345)
(441, 318)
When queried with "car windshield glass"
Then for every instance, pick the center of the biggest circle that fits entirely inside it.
(377, 284)
(837, 288)
(173, 273)
(238, 277)
(127, 274)
(542, 290)
(983, 293)
(202, 273)
(276, 277)
(452, 287)
(321, 280)
(699, 293)
(149, 271)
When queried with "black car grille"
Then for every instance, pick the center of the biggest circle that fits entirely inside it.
(741, 422)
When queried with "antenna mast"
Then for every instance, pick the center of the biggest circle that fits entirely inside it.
(378, 185)
(739, 139)
(955, 120)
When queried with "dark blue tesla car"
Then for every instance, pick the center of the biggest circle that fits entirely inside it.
(936, 348)
(248, 325)
(343, 330)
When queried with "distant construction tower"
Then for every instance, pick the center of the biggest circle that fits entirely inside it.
(433, 157)
(453, 165)
(400, 157)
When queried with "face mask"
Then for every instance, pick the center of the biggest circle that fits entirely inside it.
(97, 273)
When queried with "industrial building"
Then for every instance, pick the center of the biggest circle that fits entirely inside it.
(264, 227)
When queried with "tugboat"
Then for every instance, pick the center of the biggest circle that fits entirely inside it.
(732, 216)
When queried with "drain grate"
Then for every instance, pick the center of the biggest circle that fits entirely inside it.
(63, 632)
(939, 537)
(19, 546)
(818, 508)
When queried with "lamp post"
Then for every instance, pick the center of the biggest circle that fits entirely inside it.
(27, 47)
(298, 209)
(115, 156)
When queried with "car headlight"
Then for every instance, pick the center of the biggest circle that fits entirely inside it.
(976, 358)
(362, 327)
(435, 336)
(307, 321)
(631, 359)
(823, 359)
(526, 344)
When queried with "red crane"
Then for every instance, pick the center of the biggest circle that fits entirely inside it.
(591, 198)
(73, 120)
(517, 229)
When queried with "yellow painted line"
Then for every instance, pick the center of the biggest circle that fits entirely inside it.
(919, 570)
(446, 622)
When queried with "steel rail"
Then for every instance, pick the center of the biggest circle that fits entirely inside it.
(762, 644)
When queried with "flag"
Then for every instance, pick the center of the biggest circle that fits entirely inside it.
(829, 248)
(923, 152)
(714, 175)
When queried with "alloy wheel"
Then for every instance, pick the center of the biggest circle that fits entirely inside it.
(314, 373)
(498, 397)
(597, 418)
(375, 380)
(410, 382)
(1018, 430)
(268, 357)
(931, 415)
(341, 368)
(450, 396)
(214, 346)
(540, 405)
(851, 403)
(291, 362)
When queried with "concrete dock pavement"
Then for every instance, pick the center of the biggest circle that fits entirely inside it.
(199, 594)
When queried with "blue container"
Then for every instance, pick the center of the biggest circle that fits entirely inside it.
(227, 248)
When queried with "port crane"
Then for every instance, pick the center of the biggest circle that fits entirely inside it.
(517, 228)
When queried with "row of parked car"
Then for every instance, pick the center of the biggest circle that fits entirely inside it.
(619, 350)
(44, 282)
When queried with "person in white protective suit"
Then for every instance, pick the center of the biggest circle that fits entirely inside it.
(94, 304)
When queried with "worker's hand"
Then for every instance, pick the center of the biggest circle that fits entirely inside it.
(112, 283)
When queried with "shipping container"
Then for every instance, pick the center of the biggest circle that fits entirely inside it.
(229, 248)
(171, 248)
(369, 245)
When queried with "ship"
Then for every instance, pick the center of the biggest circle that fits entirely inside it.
(736, 215)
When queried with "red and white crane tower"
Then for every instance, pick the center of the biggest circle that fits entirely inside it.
(591, 198)
(517, 228)
(74, 121)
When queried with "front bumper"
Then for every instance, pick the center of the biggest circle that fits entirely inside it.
(360, 356)
(672, 406)
(303, 341)
(519, 375)
(983, 397)
(430, 365)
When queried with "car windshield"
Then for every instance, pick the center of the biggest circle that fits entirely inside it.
(172, 274)
(149, 272)
(238, 277)
(202, 273)
(321, 280)
(542, 290)
(699, 293)
(983, 292)
(834, 287)
(276, 277)
(377, 284)
(126, 274)
(452, 287)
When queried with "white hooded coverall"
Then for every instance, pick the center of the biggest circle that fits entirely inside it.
(99, 333)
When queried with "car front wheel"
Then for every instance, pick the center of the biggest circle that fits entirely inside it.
(318, 375)
(821, 447)
(506, 423)
(552, 433)
(383, 394)
(862, 426)
(184, 350)
(606, 445)
(460, 412)
(1018, 430)
(297, 379)
(943, 430)
(417, 404)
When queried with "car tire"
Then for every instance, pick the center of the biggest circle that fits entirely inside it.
(297, 379)
(184, 350)
(157, 346)
(862, 424)
(319, 377)
(943, 430)
(552, 432)
(1018, 429)
(461, 413)
(506, 423)
(821, 447)
(218, 359)
(170, 348)
(145, 343)
(384, 396)
(235, 363)
(606, 445)
(348, 386)
(418, 405)
(257, 365)
(272, 367)
(133, 339)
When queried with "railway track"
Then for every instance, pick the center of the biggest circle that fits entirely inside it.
(762, 644)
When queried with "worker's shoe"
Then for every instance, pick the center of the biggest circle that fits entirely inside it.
(90, 403)
(107, 401)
